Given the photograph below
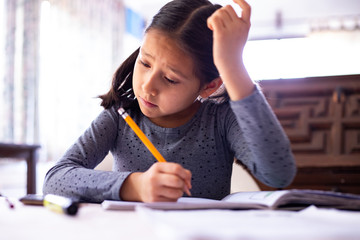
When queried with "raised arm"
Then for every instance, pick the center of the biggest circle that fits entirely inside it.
(230, 33)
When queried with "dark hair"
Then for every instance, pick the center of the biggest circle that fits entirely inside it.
(185, 21)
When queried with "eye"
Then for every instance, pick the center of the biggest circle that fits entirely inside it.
(144, 64)
(170, 81)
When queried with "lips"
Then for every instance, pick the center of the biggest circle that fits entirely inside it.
(147, 103)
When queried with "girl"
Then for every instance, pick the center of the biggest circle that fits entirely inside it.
(190, 48)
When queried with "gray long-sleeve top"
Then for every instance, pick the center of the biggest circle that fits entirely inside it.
(206, 145)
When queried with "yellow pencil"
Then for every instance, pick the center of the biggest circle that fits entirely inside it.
(144, 139)
(141, 135)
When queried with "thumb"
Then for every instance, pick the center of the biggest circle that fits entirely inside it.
(209, 23)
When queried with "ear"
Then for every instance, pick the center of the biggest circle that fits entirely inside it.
(211, 87)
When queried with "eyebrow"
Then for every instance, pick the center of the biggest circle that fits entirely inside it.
(142, 51)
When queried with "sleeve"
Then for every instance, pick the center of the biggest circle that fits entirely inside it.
(261, 143)
(74, 176)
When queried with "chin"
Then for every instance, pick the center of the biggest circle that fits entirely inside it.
(148, 112)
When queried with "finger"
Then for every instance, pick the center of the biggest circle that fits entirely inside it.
(187, 182)
(230, 13)
(164, 199)
(187, 190)
(176, 169)
(188, 185)
(163, 187)
(171, 180)
(215, 22)
(209, 24)
(175, 182)
(181, 174)
(220, 17)
(169, 194)
(164, 195)
(226, 13)
(170, 187)
(188, 179)
(246, 10)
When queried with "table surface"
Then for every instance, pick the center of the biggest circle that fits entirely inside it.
(93, 222)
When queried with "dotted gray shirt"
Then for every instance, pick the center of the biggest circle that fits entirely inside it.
(247, 130)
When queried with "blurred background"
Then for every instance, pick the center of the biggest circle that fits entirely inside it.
(57, 56)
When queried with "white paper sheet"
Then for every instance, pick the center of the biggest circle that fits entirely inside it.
(310, 224)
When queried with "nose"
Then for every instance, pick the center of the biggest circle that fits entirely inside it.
(149, 85)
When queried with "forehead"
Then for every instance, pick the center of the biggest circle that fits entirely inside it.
(166, 51)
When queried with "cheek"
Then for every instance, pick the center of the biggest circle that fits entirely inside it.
(136, 79)
(180, 99)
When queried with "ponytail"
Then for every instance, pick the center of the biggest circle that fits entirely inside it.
(121, 92)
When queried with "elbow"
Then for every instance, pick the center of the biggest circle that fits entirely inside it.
(287, 179)
(281, 178)
(292, 174)
(47, 185)
(50, 184)
(46, 190)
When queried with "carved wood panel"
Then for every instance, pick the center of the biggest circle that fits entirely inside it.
(321, 117)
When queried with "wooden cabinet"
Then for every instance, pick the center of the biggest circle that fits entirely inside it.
(321, 116)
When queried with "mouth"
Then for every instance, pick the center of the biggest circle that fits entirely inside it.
(147, 103)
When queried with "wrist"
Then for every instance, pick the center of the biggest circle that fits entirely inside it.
(237, 82)
(129, 190)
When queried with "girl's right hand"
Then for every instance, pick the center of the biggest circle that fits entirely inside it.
(162, 182)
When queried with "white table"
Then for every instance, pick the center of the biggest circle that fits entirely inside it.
(93, 222)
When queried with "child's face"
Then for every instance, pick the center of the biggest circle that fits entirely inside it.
(164, 82)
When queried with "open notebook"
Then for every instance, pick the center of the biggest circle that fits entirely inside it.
(282, 199)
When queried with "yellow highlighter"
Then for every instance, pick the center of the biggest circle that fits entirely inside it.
(60, 204)
(141, 135)
(145, 140)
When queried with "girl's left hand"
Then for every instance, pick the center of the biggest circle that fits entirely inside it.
(230, 33)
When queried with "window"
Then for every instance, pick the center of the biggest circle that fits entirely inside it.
(319, 54)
